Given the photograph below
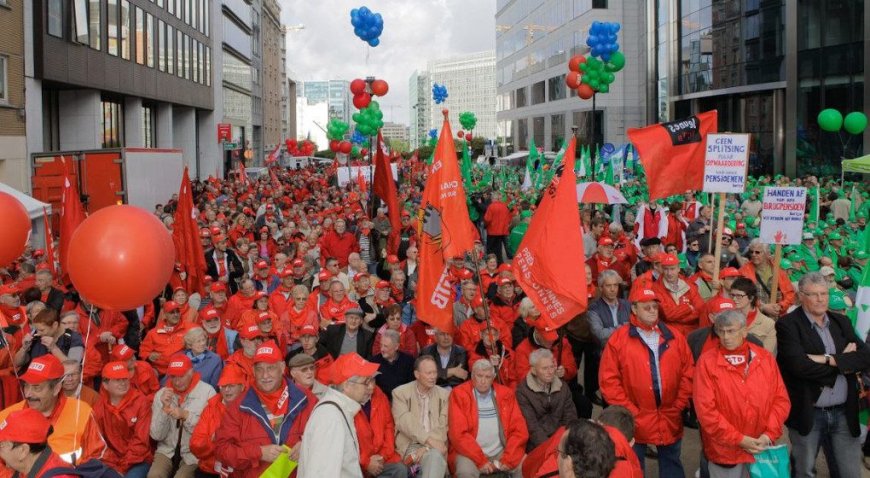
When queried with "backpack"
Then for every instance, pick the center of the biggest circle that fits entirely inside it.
(88, 469)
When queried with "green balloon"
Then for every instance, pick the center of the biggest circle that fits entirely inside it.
(830, 120)
(585, 79)
(595, 84)
(584, 66)
(603, 88)
(855, 122)
(609, 77)
(616, 63)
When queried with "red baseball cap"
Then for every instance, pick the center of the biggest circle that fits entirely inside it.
(287, 272)
(218, 238)
(382, 285)
(122, 353)
(268, 352)
(209, 313)
(179, 365)
(263, 316)
(205, 233)
(505, 267)
(546, 332)
(170, 306)
(657, 257)
(723, 305)
(505, 281)
(260, 295)
(670, 260)
(729, 272)
(298, 263)
(262, 265)
(323, 276)
(11, 289)
(392, 259)
(360, 276)
(25, 426)
(727, 232)
(605, 241)
(45, 367)
(406, 213)
(308, 330)
(115, 371)
(350, 365)
(642, 294)
(232, 375)
(218, 287)
(250, 331)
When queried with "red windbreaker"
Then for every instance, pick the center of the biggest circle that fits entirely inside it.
(202, 438)
(566, 359)
(681, 314)
(497, 219)
(377, 432)
(627, 378)
(338, 246)
(125, 428)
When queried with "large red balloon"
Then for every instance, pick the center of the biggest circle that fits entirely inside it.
(120, 258)
(575, 61)
(460, 134)
(358, 86)
(15, 229)
(572, 79)
(585, 91)
(334, 145)
(345, 147)
(362, 100)
(380, 87)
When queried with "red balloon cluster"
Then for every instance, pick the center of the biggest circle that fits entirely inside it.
(306, 148)
(463, 135)
(343, 147)
(363, 91)
(573, 79)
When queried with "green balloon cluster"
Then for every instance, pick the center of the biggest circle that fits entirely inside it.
(369, 119)
(336, 129)
(468, 120)
(831, 120)
(598, 74)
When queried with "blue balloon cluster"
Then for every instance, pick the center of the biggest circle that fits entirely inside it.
(602, 39)
(367, 25)
(433, 133)
(439, 93)
(357, 137)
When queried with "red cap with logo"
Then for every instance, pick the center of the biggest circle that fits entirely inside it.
(46, 367)
(308, 330)
(262, 265)
(723, 305)
(179, 365)
(25, 426)
(209, 313)
(298, 263)
(642, 294)
(9, 289)
(505, 281)
(122, 353)
(670, 260)
(232, 375)
(218, 287)
(287, 272)
(170, 306)
(115, 371)
(351, 365)
(323, 276)
(392, 259)
(250, 331)
(605, 241)
(268, 352)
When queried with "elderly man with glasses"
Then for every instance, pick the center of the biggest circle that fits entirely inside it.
(820, 357)
(759, 269)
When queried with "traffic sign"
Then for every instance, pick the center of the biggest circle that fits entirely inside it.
(230, 146)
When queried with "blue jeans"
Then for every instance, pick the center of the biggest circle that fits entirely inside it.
(670, 465)
(138, 471)
(846, 449)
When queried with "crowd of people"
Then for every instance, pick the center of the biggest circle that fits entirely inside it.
(305, 341)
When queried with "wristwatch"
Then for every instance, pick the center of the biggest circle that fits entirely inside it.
(827, 359)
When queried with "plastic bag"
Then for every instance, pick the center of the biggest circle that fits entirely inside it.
(771, 463)
(281, 467)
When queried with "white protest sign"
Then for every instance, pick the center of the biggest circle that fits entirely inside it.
(725, 163)
(349, 173)
(782, 215)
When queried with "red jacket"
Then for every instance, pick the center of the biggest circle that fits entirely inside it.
(506, 312)
(566, 359)
(597, 264)
(338, 246)
(507, 374)
(145, 379)
(682, 314)
(106, 321)
(786, 290)
(278, 302)
(335, 312)
(165, 341)
(462, 422)
(497, 219)
(626, 378)
(245, 428)
(236, 306)
(377, 432)
(468, 334)
(202, 438)
(627, 464)
(730, 403)
(125, 428)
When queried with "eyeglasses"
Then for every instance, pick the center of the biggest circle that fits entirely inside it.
(738, 296)
(756, 252)
(367, 382)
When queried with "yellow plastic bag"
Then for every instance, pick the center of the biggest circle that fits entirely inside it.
(281, 467)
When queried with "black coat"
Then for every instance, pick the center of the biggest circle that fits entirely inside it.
(235, 265)
(458, 356)
(54, 300)
(804, 379)
(333, 336)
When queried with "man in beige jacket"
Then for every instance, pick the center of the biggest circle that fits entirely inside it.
(420, 413)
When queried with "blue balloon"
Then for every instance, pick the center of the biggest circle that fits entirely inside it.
(616, 27)
(591, 40)
(374, 42)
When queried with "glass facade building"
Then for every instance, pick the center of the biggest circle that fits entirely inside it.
(768, 67)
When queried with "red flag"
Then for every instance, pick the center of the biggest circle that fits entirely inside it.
(49, 242)
(446, 232)
(672, 154)
(384, 187)
(549, 263)
(72, 213)
(360, 180)
(242, 176)
(275, 183)
(273, 156)
(185, 235)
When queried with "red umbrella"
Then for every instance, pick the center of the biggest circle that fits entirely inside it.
(599, 193)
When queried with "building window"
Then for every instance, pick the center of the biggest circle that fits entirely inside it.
(538, 93)
(112, 124)
(599, 3)
(203, 16)
(186, 46)
(179, 54)
(583, 121)
(80, 14)
(193, 60)
(207, 66)
(188, 6)
(125, 29)
(556, 88)
(112, 27)
(149, 125)
(538, 130)
(94, 31)
(206, 18)
(170, 50)
(521, 97)
(199, 64)
(194, 14)
(140, 36)
(523, 134)
(55, 18)
(160, 3)
(170, 6)
(161, 50)
(4, 82)
(149, 40)
(557, 131)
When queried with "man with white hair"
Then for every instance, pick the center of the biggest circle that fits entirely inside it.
(486, 428)
(544, 399)
(330, 446)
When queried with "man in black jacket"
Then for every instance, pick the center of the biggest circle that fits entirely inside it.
(51, 296)
(451, 359)
(819, 356)
(223, 264)
(340, 339)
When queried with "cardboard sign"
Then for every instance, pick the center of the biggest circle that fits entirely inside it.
(782, 215)
(725, 163)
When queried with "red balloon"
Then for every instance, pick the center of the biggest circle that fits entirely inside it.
(120, 258)
(363, 152)
(468, 137)
(291, 144)
(334, 145)
(358, 86)
(15, 231)
(362, 100)
(575, 61)
(380, 87)
(572, 80)
(460, 134)
(346, 147)
(585, 91)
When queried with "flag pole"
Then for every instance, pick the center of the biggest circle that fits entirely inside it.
(720, 223)
(491, 350)
(774, 288)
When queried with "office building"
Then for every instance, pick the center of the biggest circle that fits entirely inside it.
(419, 94)
(534, 41)
(768, 67)
(470, 81)
(14, 166)
(273, 76)
(396, 134)
(235, 78)
(334, 92)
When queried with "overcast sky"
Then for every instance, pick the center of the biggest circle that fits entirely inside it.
(415, 31)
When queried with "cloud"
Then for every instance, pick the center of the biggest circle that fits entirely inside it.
(415, 31)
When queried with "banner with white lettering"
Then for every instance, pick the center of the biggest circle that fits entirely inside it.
(725, 163)
(782, 215)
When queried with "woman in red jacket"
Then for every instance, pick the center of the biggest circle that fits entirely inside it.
(732, 427)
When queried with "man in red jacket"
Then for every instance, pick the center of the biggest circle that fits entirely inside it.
(28, 428)
(647, 368)
(231, 384)
(376, 432)
(679, 301)
(497, 220)
(124, 417)
(270, 414)
(486, 428)
(338, 243)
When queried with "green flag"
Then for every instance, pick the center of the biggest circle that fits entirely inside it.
(465, 167)
(814, 204)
